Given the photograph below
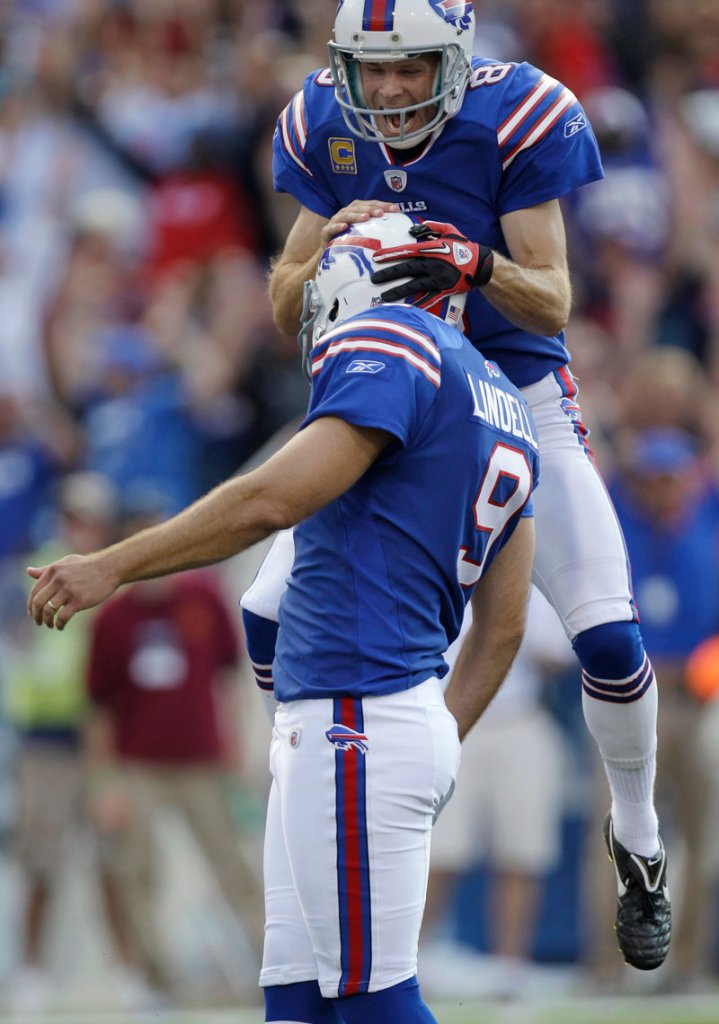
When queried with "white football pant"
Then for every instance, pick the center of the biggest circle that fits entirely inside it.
(355, 787)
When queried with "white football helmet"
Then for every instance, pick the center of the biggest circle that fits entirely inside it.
(342, 288)
(393, 30)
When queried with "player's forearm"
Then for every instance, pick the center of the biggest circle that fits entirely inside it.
(316, 466)
(286, 286)
(482, 664)
(229, 519)
(499, 608)
(537, 299)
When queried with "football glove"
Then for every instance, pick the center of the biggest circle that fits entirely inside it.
(441, 261)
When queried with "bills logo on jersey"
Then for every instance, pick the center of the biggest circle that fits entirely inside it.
(574, 125)
(462, 254)
(365, 366)
(413, 207)
(396, 179)
(342, 156)
(456, 12)
(571, 409)
(491, 368)
(344, 738)
(574, 413)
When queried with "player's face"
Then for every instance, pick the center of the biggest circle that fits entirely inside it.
(391, 85)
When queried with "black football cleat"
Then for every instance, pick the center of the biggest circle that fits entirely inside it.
(644, 916)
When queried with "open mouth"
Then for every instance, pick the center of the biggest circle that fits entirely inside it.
(394, 122)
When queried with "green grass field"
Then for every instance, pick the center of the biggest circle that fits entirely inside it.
(638, 1010)
(586, 1011)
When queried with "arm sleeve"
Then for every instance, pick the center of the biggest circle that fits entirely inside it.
(293, 170)
(546, 145)
(372, 376)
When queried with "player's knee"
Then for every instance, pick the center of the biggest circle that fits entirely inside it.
(400, 1004)
(613, 650)
(301, 1003)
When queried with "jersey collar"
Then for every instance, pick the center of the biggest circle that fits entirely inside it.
(394, 156)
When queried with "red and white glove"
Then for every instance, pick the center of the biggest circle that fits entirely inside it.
(441, 262)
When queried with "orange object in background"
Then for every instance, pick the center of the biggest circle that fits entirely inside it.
(702, 670)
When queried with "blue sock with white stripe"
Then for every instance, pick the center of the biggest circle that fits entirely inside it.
(619, 700)
(301, 1003)
(400, 1004)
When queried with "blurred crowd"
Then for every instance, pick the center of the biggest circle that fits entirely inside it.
(137, 349)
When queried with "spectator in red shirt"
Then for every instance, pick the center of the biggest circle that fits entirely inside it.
(163, 654)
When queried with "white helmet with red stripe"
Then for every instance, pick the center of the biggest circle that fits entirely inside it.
(342, 287)
(392, 30)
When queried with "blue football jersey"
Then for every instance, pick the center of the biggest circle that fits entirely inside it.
(520, 139)
(382, 574)
(674, 572)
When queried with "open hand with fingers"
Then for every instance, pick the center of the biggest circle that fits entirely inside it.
(358, 211)
(67, 586)
(442, 260)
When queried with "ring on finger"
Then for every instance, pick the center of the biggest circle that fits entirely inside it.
(51, 606)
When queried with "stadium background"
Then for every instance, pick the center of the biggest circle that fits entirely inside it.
(136, 222)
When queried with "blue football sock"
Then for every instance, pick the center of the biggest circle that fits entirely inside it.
(301, 1003)
(400, 1004)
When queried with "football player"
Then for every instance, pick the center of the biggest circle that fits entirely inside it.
(406, 118)
(364, 750)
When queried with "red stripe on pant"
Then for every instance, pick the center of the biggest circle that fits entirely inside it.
(353, 874)
(568, 381)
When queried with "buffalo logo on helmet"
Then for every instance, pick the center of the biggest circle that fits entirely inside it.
(344, 738)
(455, 12)
(356, 254)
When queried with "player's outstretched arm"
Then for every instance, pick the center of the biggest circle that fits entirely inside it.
(308, 238)
(499, 607)
(315, 467)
